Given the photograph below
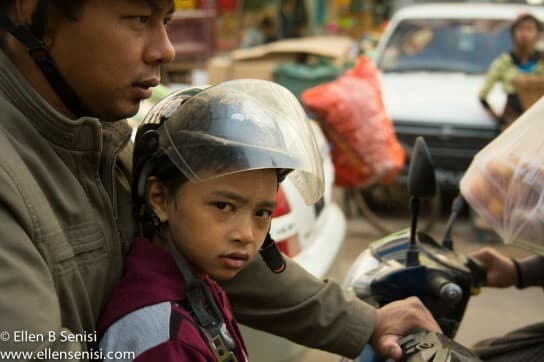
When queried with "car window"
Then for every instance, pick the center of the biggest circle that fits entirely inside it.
(451, 45)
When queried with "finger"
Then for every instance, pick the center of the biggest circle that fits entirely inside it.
(483, 253)
(389, 347)
(423, 318)
(485, 256)
(395, 353)
(432, 325)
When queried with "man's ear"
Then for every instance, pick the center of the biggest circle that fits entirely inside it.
(24, 10)
(157, 197)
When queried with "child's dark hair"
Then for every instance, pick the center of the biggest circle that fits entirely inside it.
(169, 175)
(167, 172)
(171, 178)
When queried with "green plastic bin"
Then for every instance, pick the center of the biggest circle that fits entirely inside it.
(297, 77)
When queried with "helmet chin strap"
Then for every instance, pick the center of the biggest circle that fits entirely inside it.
(202, 305)
(32, 38)
(272, 255)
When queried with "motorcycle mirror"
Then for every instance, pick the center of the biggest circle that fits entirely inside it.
(421, 183)
(421, 178)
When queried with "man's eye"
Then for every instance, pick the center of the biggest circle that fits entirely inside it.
(138, 19)
(223, 206)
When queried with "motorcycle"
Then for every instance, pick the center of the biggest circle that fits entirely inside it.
(412, 263)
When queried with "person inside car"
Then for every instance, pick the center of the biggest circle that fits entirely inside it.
(71, 72)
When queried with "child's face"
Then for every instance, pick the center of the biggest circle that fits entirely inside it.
(526, 34)
(219, 225)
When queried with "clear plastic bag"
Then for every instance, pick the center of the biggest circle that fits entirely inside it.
(505, 182)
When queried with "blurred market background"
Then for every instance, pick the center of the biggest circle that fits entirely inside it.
(202, 29)
(303, 44)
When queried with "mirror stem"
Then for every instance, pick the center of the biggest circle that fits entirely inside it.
(456, 208)
(412, 255)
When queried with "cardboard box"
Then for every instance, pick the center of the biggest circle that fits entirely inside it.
(261, 61)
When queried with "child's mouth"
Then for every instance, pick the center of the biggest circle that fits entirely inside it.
(235, 260)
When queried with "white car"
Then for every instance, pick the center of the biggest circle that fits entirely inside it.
(433, 59)
(311, 235)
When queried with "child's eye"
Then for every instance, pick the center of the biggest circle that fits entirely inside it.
(143, 19)
(166, 20)
(264, 214)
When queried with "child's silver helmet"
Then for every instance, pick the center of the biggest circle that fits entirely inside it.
(235, 126)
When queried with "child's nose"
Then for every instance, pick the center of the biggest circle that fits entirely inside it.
(244, 232)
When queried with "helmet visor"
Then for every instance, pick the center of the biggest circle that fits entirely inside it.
(242, 125)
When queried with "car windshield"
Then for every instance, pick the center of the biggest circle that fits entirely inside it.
(450, 45)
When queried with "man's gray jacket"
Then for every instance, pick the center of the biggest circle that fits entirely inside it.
(65, 224)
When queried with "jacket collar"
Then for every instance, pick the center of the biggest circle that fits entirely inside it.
(82, 134)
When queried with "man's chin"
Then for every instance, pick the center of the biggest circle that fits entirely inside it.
(121, 113)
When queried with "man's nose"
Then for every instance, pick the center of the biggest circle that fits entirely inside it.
(160, 49)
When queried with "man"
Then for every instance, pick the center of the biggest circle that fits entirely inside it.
(524, 344)
(70, 73)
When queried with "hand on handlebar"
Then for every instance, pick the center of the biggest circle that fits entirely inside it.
(395, 320)
(501, 271)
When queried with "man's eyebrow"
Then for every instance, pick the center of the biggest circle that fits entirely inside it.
(154, 5)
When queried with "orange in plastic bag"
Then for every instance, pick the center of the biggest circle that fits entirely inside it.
(352, 115)
(505, 182)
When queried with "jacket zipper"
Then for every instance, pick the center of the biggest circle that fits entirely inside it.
(114, 181)
(114, 201)
(114, 189)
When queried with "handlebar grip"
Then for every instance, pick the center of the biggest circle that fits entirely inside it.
(478, 271)
(424, 346)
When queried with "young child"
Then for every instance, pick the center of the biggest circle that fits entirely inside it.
(207, 166)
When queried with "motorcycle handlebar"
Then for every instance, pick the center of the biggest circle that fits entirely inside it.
(478, 271)
(422, 346)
